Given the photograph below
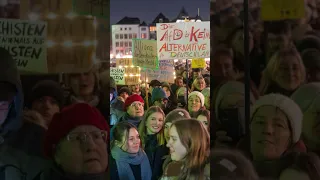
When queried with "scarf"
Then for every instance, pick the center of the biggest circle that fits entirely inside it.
(132, 120)
(124, 159)
(94, 102)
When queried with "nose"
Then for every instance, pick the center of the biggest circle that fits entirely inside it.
(89, 144)
(268, 129)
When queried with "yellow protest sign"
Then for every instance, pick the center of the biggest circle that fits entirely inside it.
(132, 70)
(198, 63)
(124, 62)
(272, 10)
(132, 80)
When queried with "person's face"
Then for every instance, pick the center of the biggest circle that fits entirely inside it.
(124, 95)
(132, 144)
(177, 150)
(167, 91)
(196, 74)
(276, 42)
(203, 120)
(83, 84)
(201, 84)
(136, 88)
(289, 73)
(238, 39)
(166, 130)
(155, 123)
(179, 82)
(194, 103)
(136, 109)
(162, 103)
(270, 133)
(84, 151)
(47, 107)
(223, 67)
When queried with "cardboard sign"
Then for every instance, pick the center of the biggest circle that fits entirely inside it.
(26, 42)
(183, 40)
(272, 10)
(118, 75)
(124, 62)
(163, 74)
(145, 53)
(198, 63)
(99, 8)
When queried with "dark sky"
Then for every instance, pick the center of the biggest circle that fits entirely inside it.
(147, 10)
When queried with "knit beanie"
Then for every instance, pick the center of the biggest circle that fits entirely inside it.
(68, 119)
(199, 95)
(47, 88)
(288, 106)
(177, 114)
(131, 99)
(157, 94)
(230, 87)
(306, 95)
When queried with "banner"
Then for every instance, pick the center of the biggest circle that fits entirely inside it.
(26, 42)
(165, 73)
(183, 40)
(144, 53)
(198, 63)
(272, 10)
(118, 75)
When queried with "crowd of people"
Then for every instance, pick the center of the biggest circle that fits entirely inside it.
(282, 141)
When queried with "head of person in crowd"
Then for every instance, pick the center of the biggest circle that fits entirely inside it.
(284, 73)
(126, 149)
(276, 124)
(308, 99)
(85, 87)
(77, 141)
(206, 94)
(189, 142)
(181, 96)
(154, 84)
(230, 164)
(113, 89)
(135, 88)
(124, 93)
(167, 89)
(311, 60)
(11, 95)
(223, 67)
(179, 81)
(204, 118)
(195, 102)
(186, 73)
(177, 114)
(196, 72)
(134, 106)
(46, 99)
(159, 98)
(153, 123)
(235, 40)
(199, 84)
(278, 36)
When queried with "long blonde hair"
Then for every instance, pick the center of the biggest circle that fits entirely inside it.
(142, 129)
(268, 75)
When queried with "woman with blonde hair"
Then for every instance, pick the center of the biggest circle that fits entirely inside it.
(284, 73)
(189, 146)
(151, 131)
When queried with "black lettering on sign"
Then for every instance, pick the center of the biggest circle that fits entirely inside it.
(14, 28)
(22, 62)
(24, 51)
(144, 54)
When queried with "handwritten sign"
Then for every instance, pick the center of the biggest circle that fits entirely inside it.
(132, 80)
(198, 63)
(95, 8)
(272, 10)
(25, 40)
(183, 40)
(145, 53)
(132, 70)
(124, 62)
(118, 75)
(163, 74)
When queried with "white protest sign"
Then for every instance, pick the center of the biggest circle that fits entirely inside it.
(144, 53)
(118, 75)
(186, 40)
(26, 42)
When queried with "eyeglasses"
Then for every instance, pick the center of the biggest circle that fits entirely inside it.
(137, 104)
(82, 137)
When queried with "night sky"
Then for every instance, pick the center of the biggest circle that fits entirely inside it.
(147, 10)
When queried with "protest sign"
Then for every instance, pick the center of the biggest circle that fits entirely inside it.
(118, 75)
(26, 42)
(99, 8)
(124, 62)
(272, 10)
(183, 40)
(132, 70)
(198, 63)
(165, 73)
(132, 80)
(145, 53)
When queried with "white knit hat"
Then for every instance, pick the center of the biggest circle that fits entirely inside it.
(288, 106)
(306, 95)
(199, 95)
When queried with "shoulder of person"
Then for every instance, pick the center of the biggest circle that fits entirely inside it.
(291, 173)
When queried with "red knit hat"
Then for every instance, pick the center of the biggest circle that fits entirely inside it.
(131, 99)
(68, 119)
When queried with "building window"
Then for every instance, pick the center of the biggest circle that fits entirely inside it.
(125, 44)
(130, 44)
(121, 44)
(153, 28)
(117, 36)
(120, 29)
(134, 36)
(144, 35)
(121, 51)
(121, 36)
(125, 29)
(117, 44)
(130, 28)
(143, 29)
(130, 36)
(125, 36)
